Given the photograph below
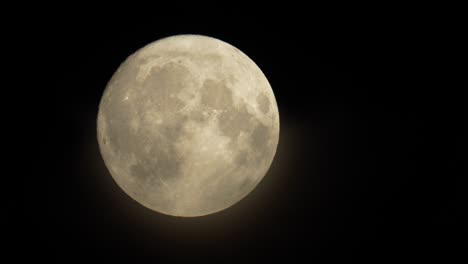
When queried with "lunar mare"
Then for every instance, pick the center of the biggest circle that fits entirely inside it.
(188, 125)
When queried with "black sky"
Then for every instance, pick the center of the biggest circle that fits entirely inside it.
(368, 164)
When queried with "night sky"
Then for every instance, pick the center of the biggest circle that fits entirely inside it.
(368, 164)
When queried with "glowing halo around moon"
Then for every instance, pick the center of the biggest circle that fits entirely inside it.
(188, 125)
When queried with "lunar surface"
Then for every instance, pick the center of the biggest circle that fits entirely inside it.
(188, 125)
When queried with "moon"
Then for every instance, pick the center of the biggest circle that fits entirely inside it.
(188, 125)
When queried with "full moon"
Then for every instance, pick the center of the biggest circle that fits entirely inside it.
(188, 125)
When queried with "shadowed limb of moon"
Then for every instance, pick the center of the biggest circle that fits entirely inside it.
(188, 125)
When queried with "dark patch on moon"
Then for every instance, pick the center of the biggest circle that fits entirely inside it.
(216, 95)
(241, 159)
(173, 128)
(263, 103)
(198, 116)
(235, 120)
(163, 160)
(118, 137)
(141, 172)
(166, 163)
(162, 85)
(260, 136)
(161, 166)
